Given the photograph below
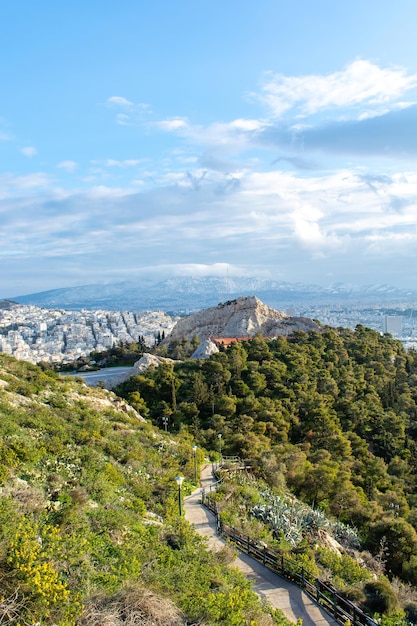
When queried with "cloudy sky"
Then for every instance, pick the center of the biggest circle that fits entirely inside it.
(268, 138)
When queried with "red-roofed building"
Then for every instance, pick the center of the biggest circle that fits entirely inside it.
(227, 341)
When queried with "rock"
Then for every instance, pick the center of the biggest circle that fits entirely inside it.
(149, 360)
(146, 361)
(244, 317)
(205, 349)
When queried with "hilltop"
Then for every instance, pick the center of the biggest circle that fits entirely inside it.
(243, 317)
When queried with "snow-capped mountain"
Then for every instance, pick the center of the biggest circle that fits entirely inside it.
(187, 294)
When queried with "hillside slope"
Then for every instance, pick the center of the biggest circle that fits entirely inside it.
(328, 416)
(89, 525)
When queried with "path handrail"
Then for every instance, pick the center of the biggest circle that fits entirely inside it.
(322, 592)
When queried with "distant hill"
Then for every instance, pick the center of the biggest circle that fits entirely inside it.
(8, 305)
(243, 317)
(186, 294)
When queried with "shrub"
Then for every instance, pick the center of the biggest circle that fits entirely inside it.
(31, 555)
(380, 597)
(410, 611)
(342, 566)
(133, 605)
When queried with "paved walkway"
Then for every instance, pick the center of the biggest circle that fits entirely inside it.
(279, 592)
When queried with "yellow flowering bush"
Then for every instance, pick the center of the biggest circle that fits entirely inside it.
(229, 608)
(31, 555)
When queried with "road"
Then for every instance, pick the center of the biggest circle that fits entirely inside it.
(279, 592)
(92, 378)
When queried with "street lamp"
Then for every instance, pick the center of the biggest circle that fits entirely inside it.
(194, 449)
(179, 480)
(165, 422)
(394, 507)
(220, 445)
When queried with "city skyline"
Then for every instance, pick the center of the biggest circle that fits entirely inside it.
(35, 334)
(267, 139)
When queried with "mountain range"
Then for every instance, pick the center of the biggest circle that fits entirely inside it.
(184, 294)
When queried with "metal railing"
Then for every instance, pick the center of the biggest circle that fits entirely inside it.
(322, 592)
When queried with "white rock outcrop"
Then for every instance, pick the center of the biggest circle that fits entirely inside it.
(149, 360)
(146, 361)
(243, 317)
(205, 349)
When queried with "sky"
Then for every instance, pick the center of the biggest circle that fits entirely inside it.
(142, 139)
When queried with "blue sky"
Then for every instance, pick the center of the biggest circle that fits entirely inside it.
(267, 138)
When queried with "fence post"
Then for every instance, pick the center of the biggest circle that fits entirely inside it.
(321, 598)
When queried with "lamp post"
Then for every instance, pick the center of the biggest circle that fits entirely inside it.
(220, 445)
(179, 480)
(394, 507)
(194, 449)
(165, 422)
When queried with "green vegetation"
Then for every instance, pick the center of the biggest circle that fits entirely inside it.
(327, 422)
(126, 353)
(89, 524)
(329, 417)
(306, 537)
(123, 353)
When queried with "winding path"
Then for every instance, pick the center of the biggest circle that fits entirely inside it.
(279, 592)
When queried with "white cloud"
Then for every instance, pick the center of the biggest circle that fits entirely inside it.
(360, 83)
(12, 185)
(68, 166)
(281, 222)
(199, 207)
(124, 163)
(198, 269)
(225, 138)
(130, 113)
(122, 119)
(308, 232)
(103, 192)
(362, 90)
(174, 123)
(29, 151)
(119, 101)
(4, 134)
(242, 124)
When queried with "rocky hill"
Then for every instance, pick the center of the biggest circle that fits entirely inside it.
(243, 317)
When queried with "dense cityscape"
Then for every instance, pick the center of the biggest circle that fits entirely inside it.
(399, 321)
(38, 334)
